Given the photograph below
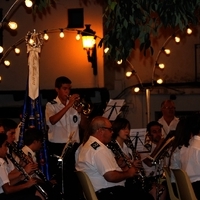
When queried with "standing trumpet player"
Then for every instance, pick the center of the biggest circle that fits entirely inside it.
(63, 119)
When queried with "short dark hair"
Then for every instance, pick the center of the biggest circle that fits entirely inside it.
(3, 138)
(153, 123)
(32, 134)
(62, 80)
(118, 124)
(8, 124)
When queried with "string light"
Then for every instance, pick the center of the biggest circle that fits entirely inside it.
(0, 78)
(177, 39)
(78, 36)
(12, 25)
(119, 62)
(62, 35)
(17, 50)
(167, 51)
(160, 65)
(46, 36)
(159, 81)
(1, 49)
(7, 63)
(28, 3)
(128, 74)
(136, 89)
(189, 31)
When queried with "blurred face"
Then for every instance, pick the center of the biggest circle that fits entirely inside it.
(63, 92)
(3, 150)
(11, 136)
(155, 134)
(123, 133)
(107, 132)
(2, 129)
(38, 145)
(168, 109)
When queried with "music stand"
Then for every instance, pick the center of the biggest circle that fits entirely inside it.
(113, 108)
(137, 137)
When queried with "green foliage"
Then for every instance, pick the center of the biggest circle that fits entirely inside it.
(41, 5)
(128, 21)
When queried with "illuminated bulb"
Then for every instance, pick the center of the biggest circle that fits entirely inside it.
(161, 66)
(119, 62)
(1, 49)
(167, 51)
(78, 37)
(0, 79)
(7, 63)
(62, 35)
(128, 74)
(17, 50)
(28, 3)
(177, 39)
(136, 89)
(46, 37)
(160, 81)
(31, 41)
(12, 25)
(106, 50)
(189, 31)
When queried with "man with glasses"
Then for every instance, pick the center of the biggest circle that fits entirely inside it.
(97, 161)
(168, 119)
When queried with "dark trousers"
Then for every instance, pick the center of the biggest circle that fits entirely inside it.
(196, 188)
(65, 174)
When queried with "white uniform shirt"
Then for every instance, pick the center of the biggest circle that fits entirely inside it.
(95, 159)
(167, 128)
(5, 169)
(68, 124)
(188, 159)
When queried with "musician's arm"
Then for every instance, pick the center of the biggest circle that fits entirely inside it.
(15, 176)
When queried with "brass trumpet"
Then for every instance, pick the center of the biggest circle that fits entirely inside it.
(86, 107)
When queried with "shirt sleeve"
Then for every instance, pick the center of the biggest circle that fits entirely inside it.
(49, 111)
(3, 176)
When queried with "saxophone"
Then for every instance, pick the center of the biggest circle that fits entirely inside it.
(27, 177)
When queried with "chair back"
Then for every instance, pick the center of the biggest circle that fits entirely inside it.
(169, 184)
(88, 189)
(184, 185)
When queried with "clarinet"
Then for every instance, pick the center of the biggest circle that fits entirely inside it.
(118, 152)
(26, 159)
(27, 177)
(135, 154)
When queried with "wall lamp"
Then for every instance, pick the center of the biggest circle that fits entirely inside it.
(89, 44)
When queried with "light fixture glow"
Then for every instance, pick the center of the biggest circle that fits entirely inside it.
(17, 50)
(7, 63)
(159, 81)
(189, 31)
(46, 37)
(177, 39)
(78, 37)
(1, 49)
(161, 66)
(12, 25)
(62, 35)
(128, 74)
(136, 89)
(28, 3)
(167, 51)
(88, 37)
(119, 62)
(106, 50)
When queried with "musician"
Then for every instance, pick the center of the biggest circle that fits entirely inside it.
(121, 134)
(63, 120)
(97, 161)
(154, 170)
(9, 190)
(168, 119)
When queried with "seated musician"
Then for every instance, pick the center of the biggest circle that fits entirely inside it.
(154, 170)
(9, 189)
(97, 161)
(121, 137)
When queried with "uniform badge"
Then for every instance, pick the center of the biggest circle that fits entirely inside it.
(95, 145)
(75, 118)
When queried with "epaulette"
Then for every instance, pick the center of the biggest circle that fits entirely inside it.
(53, 102)
(95, 145)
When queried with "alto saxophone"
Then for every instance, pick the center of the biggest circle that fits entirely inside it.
(27, 177)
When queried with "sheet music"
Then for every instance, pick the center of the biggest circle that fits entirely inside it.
(113, 108)
(138, 136)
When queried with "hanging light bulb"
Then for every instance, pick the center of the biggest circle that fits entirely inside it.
(189, 31)
(167, 51)
(161, 66)
(28, 3)
(1, 49)
(7, 63)
(128, 74)
(78, 37)
(159, 81)
(119, 62)
(106, 50)
(31, 41)
(12, 25)
(17, 50)
(62, 35)
(46, 37)
(177, 39)
(136, 89)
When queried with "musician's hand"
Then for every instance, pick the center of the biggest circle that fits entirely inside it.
(121, 163)
(73, 98)
(31, 182)
(54, 182)
(133, 171)
(31, 167)
(137, 163)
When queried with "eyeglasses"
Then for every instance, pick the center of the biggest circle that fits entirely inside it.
(110, 129)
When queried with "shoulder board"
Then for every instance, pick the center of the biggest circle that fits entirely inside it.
(53, 102)
(95, 145)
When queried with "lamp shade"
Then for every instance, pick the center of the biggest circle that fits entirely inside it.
(88, 37)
